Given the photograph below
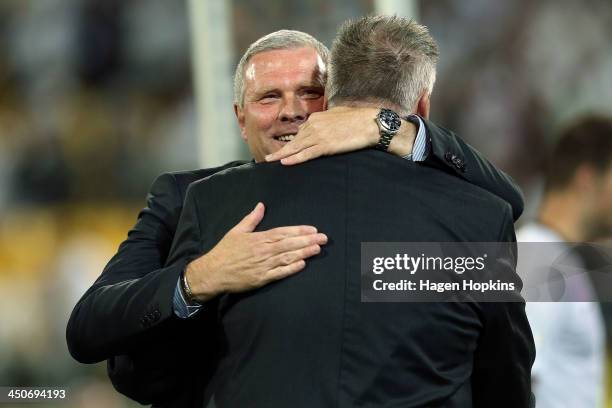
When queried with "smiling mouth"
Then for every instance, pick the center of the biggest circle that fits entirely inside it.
(285, 138)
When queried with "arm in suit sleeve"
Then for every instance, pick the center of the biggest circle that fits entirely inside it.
(505, 352)
(134, 292)
(449, 152)
(171, 367)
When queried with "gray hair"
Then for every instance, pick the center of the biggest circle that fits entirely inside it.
(278, 40)
(382, 59)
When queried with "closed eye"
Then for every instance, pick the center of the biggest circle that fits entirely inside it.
(268, 98)
(312, 93)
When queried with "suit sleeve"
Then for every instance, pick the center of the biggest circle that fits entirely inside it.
(134, 292)
(171, 367)
(449, 152)
(505, 352)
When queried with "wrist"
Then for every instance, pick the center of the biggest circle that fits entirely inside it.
(186, 292)
(373, 131)
(197, 278)
(402, 143)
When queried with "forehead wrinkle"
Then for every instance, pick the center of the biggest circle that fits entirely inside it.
(275, 73)
(280, 64)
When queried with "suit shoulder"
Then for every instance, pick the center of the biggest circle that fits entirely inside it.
(457, 196)
(185, 177)
(458, 186)
(251, 171)
(239, 170)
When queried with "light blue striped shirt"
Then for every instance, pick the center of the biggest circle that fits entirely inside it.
(181, 308)
(419, 153)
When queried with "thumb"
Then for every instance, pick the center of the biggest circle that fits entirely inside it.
(252, 219)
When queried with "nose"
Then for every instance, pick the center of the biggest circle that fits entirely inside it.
(293, 110)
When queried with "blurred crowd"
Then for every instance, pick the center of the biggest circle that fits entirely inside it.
(96, 99)
(90, 91)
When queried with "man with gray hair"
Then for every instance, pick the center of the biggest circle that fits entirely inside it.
(307, 340)
(398, 59)
(278, 85)
(279, 40)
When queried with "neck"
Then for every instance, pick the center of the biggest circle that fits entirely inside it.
(561, 212)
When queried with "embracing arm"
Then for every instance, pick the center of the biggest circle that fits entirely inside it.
(128, 312)
(449, 151)
(345, 129)
(127, 316)
(131, 292)
(103, 322)
(178, 355)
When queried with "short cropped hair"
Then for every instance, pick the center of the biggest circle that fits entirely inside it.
(586, 141)
(278, 40)
(382, 58)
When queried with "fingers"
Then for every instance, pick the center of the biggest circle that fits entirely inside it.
(295, 146)
(283, 271)
(251, 220)
(276, 234)
(303, 156)
(295, 243)
(290, 251)
(285, 151)
(287, 258)
(288, 263)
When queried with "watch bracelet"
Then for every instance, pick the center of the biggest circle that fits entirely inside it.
(189, 297)
(384, 141)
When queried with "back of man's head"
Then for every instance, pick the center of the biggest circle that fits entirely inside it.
(279, 40)
(386, 59)
(586, 142)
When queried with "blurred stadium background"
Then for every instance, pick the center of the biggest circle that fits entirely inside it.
(97, 97)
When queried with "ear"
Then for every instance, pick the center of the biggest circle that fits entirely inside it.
(240, 116)
(422, 108)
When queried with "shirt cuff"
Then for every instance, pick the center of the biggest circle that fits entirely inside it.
(419, 148)
(181, 308)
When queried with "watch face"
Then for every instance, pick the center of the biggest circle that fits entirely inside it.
(390, 120)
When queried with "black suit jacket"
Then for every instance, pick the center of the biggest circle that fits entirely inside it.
(107, 324)
(308, 340)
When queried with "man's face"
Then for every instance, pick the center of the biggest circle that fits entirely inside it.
(281, 89)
